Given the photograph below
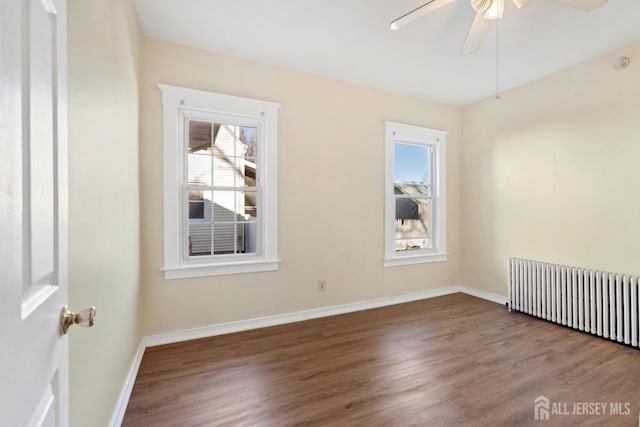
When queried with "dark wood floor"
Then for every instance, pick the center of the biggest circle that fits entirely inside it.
(453, 360)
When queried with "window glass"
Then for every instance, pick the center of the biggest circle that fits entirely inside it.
(411, 163)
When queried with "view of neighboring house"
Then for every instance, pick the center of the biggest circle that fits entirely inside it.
(223, 214)
(412, 216)
(412, 188)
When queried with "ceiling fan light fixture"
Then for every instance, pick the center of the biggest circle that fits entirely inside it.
(496, 10)
(520, 3)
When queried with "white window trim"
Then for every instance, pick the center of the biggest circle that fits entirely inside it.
(395, 132)
(174, 100)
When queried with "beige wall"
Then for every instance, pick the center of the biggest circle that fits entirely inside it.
(551, 172)
(331, 171)
(104, 227)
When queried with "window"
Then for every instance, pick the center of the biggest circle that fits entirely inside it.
(219, 184)
(414, 195)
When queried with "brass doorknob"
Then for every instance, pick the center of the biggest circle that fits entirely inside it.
(85, 318)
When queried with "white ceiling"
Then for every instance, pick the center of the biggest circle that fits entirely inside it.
(350, 40)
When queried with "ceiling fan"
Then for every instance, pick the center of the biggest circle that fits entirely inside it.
(486, 11)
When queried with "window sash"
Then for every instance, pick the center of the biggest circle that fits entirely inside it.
(187, 115)
(428, 186)
(429, 160)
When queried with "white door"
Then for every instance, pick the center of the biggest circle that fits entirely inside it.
(33, 213)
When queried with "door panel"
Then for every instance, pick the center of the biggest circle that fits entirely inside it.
(45, 413)
(33, 216)
(39, 166)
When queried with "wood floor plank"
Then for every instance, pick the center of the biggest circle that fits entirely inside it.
(453, 360)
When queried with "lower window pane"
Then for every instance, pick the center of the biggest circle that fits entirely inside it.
(223, 239)
(412, 224)
(222, 222)
(239, 238)
(250, 205)
(199, 239)
(224, 206)
(199, 204)
(247, 237)
(229, 206)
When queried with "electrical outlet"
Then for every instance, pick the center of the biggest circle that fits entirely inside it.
(322, 284)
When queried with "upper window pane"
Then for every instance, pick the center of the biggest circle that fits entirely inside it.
(199, 136)
(222, 155)
(249, 137)
(411, 163)
(199, 150)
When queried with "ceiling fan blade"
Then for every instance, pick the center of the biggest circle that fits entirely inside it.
(520, 3)
(476, 34)
(585, 5)
(418, 12)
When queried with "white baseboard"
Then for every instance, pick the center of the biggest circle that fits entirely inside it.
(498, 299)
(296, 316)
(278, 319)
(125, 394)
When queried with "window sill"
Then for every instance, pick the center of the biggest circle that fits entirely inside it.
(219, 269)
(413, 259)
